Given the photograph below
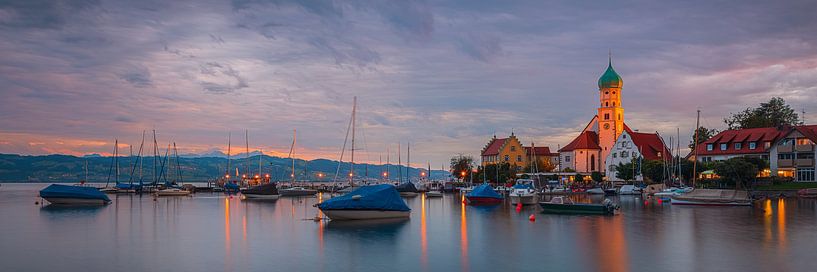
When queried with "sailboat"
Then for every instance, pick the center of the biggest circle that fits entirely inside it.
(229, 185)
(434, 191)
(172, 188)
(78, 194)
(295, 191)
(350, 128)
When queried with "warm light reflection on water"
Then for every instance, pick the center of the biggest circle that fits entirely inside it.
(612, 245)
(423, 234)
(463, 236)
(781, 224)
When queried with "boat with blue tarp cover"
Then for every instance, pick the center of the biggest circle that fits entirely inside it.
(483, 194)
(407, 189)
(367, 202)
(68, 194)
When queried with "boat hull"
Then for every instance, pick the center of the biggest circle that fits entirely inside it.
(364, 214)
(433, 194)
(75, 201)
(531, 199)
(595, 209)
(298, 193)
(408, 194)
(261, 197)
(476, 200)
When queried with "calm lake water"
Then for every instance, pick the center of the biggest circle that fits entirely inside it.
(211, 232)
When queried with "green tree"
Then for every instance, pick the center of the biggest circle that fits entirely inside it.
(769, 114)
(596, 176)
(461, 166)
(489, 172)
(578, 178)
(736, 171)
(625, 171)
(653, 171)
(703, 135)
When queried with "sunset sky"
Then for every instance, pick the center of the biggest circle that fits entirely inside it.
(443, 75)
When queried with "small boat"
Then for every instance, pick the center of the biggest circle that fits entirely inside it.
(483, 195)
(523, 192)
(297, 191)
(267, 191)
(596, 191)
(434, 193)
(231, 187)
(713, 197)
(629, 190)
(74, 195)
(367, 202)
(172, 192)
(563, 205)
(407, 189)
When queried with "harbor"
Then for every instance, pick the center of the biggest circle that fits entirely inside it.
(213, 231)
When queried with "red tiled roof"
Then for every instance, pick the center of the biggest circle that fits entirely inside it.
(744, 136)
(809, 132)
(649, 144)
(627, 128)
(493, 147)
(586, 140)
(540, 151)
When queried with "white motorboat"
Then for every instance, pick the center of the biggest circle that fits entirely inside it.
(629, 190)
(172, 192)
(298, 191)
(523, 192)
(434, 193)
(713, 197)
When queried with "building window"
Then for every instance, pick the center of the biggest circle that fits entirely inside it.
(738, 146)
(567, 158)
(612, 168)
(615, 155)
(507, 158)
(606, 104)
(606, 116)
(513, 148)
(606, 92)
(804, 141)
(784, 156)
(808, 155)
(624, 154)
(767, 144)
(805, 174)
(724, 146)
(708, 147)
(614, 92)
(752, 145)
(635, 155)
(619, 117)
(623, 144)
(659, 154)
(519, 158)
(614, 104)
(706, 159)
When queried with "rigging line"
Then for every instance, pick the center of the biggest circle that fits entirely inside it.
(343, 149)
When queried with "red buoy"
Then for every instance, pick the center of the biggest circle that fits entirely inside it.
(532, 218)
(519, 207)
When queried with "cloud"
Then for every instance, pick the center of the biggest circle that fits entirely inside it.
(220, 78)
(138, 77)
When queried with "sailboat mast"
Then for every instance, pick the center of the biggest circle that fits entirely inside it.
(141, 146)
(399, 164)
(388, 164)
(695, 148)
(677, 154)
(116, 159)
(155, 159)
(354, 124)
(292, 155)
(247, 155)
(227, 171)
(261, 151)
(408, 161)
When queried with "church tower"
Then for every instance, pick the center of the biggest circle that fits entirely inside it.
(611, 112)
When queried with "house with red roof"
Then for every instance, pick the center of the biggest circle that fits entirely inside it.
(637, 146)
(751, 142)
(510, 150)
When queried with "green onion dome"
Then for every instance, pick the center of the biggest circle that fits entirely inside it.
(610, 79)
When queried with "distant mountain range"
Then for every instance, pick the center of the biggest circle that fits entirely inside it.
(193, 168)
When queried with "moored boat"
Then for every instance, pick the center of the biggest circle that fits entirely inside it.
(523, 192)
(595, 191)
(713, 197)
(172, 192)
(407, 189)
(73, 195)
(297, 191)
(629, 190)
(367, 202)
(483, 195)
(434, 193)
(564, 205)
(807, 193)
(267, 191)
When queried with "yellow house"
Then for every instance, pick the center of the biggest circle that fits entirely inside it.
(510, 150)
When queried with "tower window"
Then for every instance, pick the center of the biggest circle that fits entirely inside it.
(606, 92)
(619, 117)
(606, 104)
(614, 104)
(606, 116)
(614, 92)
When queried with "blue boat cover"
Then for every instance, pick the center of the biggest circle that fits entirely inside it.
(231, 186)
(522, 186)
(69, 191)
(484, 190)
(407, 187)
(383, 197)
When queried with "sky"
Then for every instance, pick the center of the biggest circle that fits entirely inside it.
(442, 76)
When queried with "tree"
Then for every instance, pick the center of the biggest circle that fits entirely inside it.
(703, 135)
(489, 172)
(543, 164)
(736, 170)
(769, 114)
(653, 170)
(461, 166)
(578, 178)
(624, 171)
(596, 176)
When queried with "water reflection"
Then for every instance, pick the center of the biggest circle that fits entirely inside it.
(463, 236)
(423, 235)
(781, 223)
